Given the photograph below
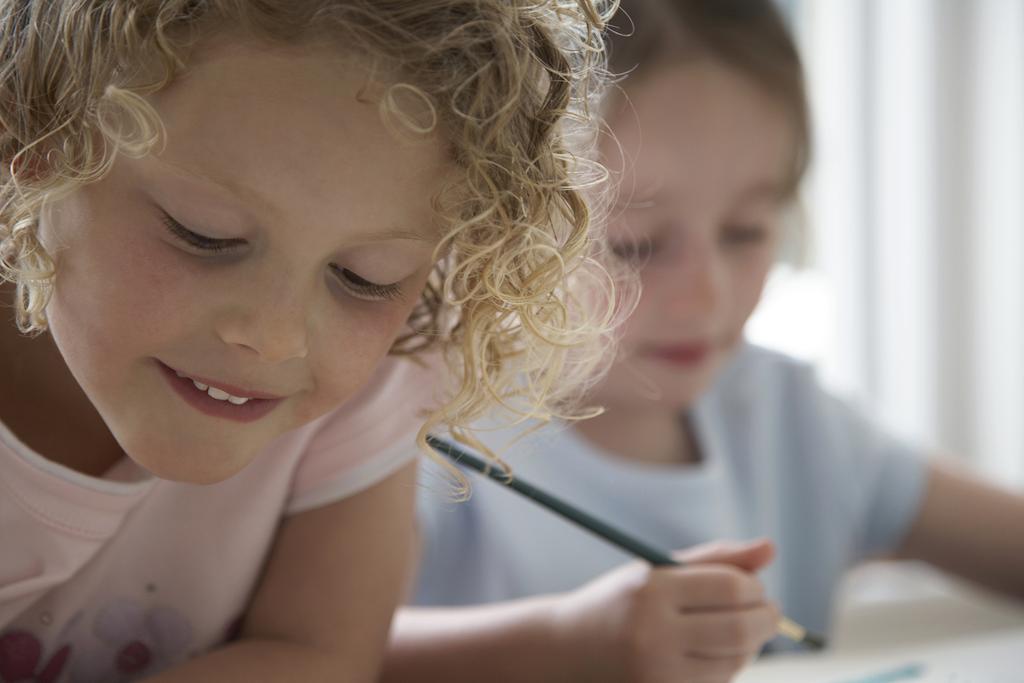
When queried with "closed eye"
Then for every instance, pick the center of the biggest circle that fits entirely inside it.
(362, 288)
(355, 284)
(744, 234)
(636, 251)
(195, 240)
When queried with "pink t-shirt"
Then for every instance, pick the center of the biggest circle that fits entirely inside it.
(114, 578)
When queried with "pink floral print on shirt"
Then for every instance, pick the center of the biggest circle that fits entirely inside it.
(21, 659)
(136, 641)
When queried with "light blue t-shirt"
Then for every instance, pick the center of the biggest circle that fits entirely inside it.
(780, 458)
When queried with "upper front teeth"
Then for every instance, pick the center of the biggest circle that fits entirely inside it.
(214, 392)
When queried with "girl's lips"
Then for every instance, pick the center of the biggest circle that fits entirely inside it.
(250, 411)
(682, 354)
(230, 388)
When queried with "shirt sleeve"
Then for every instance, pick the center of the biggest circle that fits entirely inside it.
(880, 478)
(368, 438)
(894, 497)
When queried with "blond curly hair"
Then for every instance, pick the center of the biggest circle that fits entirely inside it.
(519, 304)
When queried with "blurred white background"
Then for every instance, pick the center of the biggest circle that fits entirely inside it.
(912, 298)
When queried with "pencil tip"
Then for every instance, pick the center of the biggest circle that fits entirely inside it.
(815, 642)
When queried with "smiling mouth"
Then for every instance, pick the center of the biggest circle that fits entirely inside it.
(219, 401)
(215, 393)
(686, 355)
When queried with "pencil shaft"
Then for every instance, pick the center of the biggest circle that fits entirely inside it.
(573, 513)
(596, 526)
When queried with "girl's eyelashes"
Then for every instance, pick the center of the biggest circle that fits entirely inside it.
(356, 285)
(741, 235)
(194, 239)
(362, 288)
(633, 250)
(642, 250)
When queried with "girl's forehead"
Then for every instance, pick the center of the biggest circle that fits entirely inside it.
(699, 94)
(701, 129)
(292, 133)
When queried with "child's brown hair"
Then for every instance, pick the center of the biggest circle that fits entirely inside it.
(749, 36)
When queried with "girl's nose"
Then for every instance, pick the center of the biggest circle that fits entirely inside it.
(695, 284)
(274, 327)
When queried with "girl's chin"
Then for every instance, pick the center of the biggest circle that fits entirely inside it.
(191, 465)
(679, 402)
(651, 384)
(685, 394)
(662, 397)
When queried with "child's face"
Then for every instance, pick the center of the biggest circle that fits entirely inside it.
(325, 223)
(706, 157)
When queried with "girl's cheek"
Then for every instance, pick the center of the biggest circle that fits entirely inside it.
(646, 319)
(751, 283)
(354, 337)
(155, 282)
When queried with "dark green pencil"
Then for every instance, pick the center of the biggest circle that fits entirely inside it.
(656, 557)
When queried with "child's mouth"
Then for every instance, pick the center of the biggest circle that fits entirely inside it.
(215, 401)
(683, 355)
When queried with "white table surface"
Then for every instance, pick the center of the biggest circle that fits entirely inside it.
(959, 635)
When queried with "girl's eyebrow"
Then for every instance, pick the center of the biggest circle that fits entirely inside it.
(769, 189)
(643, 195)
(640, 203)
(637, 201)
(238, 193)
(247, 197)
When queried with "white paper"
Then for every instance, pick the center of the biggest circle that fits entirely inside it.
(993, 658)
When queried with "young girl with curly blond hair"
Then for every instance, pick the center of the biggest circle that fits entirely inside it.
(237, 237)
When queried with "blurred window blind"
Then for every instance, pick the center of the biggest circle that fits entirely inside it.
(912, 301)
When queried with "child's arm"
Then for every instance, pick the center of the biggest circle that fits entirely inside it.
(632, 624)
(322, 609)
(508, 641)
(971, 529)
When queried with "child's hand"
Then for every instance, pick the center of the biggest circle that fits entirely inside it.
(701, 623)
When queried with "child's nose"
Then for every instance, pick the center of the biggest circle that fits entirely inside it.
(274, 326)
(696, 286)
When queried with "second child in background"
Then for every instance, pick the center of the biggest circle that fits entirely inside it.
(705, 436)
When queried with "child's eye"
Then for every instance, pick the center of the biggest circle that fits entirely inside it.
(364, 289)
(195, 240)
(634, 250)
(744, 234)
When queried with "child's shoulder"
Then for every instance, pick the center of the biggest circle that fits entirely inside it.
(368, 437)
(757, 371)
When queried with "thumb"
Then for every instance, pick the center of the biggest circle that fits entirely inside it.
(749, 556)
